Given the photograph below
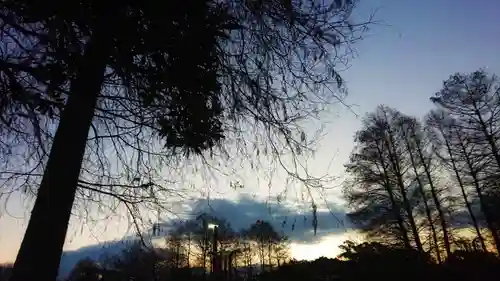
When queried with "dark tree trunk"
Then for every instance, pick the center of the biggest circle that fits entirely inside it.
(488, 216)
(464, 193)
(44, 238)
(424, 198)
(435, 197)
(487, 213)
(437, 203)
(395, 207)
(396, 162)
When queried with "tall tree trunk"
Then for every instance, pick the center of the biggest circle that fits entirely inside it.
(262, 254)
(484, 206)
(189, 251)
(395, 161)
(269, 255)
(205, 248)
(437, 203)
(424, 198)
(435, 197)
(464, 193)
(395, 206)
(491, 138)
(487, 213)
(44, 238)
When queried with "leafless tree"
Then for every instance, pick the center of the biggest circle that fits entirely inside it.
(377, 191)
(449, 149)
(423, 163)
(472, 101)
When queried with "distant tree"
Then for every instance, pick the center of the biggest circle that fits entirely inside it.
(139, 263)
(281, 250)
(319, 269)
(193, 240)
(372, 251)
(263, 235)
(376, 259)
(175, 244)
(188, 232)
(85, 270)
(247, 254)
(148, 81)
(204, 235)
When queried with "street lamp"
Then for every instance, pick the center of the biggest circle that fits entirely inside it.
(215, 261)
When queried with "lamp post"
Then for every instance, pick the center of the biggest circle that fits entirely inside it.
(215, 260)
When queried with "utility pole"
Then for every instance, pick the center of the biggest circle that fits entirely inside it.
(215, 260)
(205, 248)
(215, 255)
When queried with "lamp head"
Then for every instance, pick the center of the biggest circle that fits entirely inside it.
(212, 226)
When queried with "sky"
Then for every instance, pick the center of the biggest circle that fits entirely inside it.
(402, 61)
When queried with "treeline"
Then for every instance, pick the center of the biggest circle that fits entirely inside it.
(431, 184)
(356, 262)
(191, 248)
(372, 260)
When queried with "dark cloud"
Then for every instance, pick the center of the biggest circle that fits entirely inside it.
(296, 224)
(240, 214)
(247, 210)
(94, 252)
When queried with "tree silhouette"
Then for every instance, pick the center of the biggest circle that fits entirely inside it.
(150, 81)
(469, 265)
(281, 250)
(264, 236)
(396, 153)
(84, 270)
(373, 259)
(472, 100)
(438, 163)
(422, 160)
(358, 261)
(203, 235)
(139, 262)
(380, 190)
(448, 146)
(167, 261)
(446, 165)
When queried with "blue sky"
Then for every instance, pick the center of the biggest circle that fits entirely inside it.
(401, 63)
